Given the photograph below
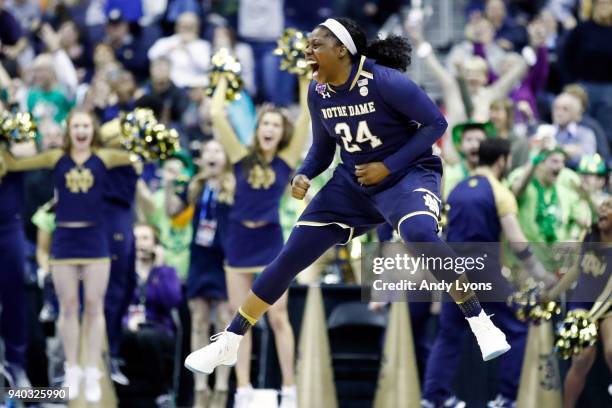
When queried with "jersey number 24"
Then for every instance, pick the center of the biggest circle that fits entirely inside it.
(364, 135)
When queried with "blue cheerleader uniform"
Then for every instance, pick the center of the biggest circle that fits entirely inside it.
(254, 232)
(257, 200)
(594, 275)
(206, 278)
(80, 236)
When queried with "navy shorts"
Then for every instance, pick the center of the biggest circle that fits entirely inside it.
(250, 250)
(343, 202)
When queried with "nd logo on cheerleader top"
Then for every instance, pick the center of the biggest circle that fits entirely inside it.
(79, 180)
(593, 264)
(261, 178)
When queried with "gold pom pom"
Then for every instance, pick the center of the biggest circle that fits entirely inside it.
(18, 127)
(224, 65)
(531, 308)
(577, 332)
(290, 47)
(147, 139)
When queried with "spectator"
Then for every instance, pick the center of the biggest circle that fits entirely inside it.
(123, 87)
(587, 58)
(593, 180)
(73, 40)
(583, 118)
(466, 138)
(502, 117)
(576, 140)
(175, 232)
(12, 41)
(97, 93)
(546, 196)
(260, 23)
(479, 40)
(195, 120)
(556, 76)
(148, 340)
(474, 72)
(125, 45)
(27, 12)
(508, 34)
(211, 193)
(177, 7)
(162, 86)
(38, 190)
(47, 99)
(535, 80)
(188, 54)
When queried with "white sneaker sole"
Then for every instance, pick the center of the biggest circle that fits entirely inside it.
(496, 353)
(199, 371)
(195, 370)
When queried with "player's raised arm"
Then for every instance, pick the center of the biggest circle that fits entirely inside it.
(405, 96)
(321, 153)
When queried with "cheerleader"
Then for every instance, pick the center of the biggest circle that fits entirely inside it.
(211, 194)
(591, 273)
(79, 247)
(254, 234)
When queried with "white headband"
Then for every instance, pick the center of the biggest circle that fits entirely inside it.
(342, 33)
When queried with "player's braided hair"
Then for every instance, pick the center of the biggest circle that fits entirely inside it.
(393, 52)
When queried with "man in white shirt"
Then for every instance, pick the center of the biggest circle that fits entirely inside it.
(576, 140)
(189, 55)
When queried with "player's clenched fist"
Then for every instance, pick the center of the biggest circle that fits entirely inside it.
(371, 173)
(299, 186)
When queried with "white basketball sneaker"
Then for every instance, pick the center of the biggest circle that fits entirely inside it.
(93, 390)
(491, 340)
(72, 380)
(222, 351)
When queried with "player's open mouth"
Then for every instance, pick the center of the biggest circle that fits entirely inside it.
(211, 163)
(314, 66)
(81, 139)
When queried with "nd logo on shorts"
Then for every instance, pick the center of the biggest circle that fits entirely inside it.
(431, 202)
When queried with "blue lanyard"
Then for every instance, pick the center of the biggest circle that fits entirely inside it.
(207, 195)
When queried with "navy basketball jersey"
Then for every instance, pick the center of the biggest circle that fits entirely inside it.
(12, 198)
(372, 117)
(476, 206)
(79, 189)
(259, 192)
